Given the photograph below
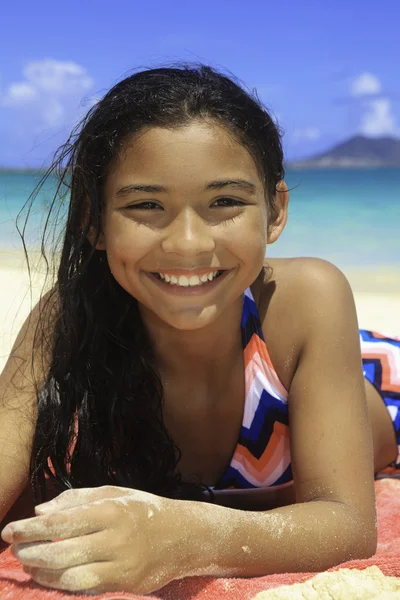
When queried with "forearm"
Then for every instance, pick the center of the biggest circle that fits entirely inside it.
(311, 536)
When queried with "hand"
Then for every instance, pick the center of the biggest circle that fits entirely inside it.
(102, 539)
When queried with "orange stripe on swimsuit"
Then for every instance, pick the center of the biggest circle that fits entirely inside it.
(262, 454)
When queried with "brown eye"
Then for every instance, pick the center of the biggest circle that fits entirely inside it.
(143, 206)
(232, 202)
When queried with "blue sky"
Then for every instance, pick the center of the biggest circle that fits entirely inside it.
(327, 70)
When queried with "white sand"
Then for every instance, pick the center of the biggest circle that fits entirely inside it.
(15, 296)
(376, 291)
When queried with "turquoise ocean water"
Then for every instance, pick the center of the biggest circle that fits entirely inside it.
(350, 217)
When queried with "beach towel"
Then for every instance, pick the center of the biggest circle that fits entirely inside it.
(16, 585)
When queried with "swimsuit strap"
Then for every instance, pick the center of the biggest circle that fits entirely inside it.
(250, 323)
(262, 454)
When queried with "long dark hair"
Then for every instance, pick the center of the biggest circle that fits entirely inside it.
(102, 373)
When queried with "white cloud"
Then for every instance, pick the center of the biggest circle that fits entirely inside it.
(308, 134)
(49, 94)
(18, 94)
(378, 119)
(365, 84)
(58, 77)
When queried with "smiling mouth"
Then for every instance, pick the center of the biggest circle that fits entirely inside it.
(192, 281)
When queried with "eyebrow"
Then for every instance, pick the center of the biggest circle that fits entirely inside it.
(212, 185)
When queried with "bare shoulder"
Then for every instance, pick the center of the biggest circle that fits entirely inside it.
(31, 352)
(330, 432)
(301, 271)
(294, 294)
(26, 368)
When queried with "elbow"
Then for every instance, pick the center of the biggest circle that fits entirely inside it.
(365, 542)
(368, 545)
(361, 540)
(363, 550)
(362, 546)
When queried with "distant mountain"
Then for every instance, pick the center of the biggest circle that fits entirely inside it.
(358, 151)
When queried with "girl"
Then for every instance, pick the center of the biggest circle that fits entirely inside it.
(208, 410)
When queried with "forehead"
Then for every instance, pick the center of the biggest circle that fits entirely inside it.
(193, 152)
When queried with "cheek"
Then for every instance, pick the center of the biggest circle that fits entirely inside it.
(250, 237)
(253, 244)
(122, 264)
(126, 243)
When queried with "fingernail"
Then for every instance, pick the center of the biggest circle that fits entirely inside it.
(41, 511)
(43, 507)
(7, 534)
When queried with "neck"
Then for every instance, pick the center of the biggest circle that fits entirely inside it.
(197, 354)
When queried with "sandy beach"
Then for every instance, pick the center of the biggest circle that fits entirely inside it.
(376, 291)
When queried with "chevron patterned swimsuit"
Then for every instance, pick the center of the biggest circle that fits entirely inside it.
(262, 455)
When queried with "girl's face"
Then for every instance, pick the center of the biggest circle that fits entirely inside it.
(165, 213)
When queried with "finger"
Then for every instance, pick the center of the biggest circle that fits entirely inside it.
(66, 553)
(77, 497)
(93, 577)
(69, 523)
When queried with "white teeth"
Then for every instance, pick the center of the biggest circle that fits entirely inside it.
(188, 281)
(184, 281)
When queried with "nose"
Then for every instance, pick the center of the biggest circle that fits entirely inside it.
(188, 235)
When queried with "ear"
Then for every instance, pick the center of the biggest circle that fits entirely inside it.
(281, 204)
(100, 244)
(91, 235)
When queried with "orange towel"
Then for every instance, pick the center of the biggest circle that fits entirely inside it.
(16, 585)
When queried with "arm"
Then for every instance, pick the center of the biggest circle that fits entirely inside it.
(18, 410)
(310, 536)
(334, 517)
